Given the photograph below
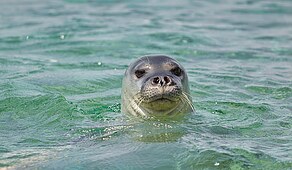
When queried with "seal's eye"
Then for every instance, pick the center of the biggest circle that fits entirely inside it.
(176, 71)
(140, 73)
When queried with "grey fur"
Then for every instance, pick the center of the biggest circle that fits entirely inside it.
(156, 85)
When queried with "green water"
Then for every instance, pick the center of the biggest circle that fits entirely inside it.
(62, 62)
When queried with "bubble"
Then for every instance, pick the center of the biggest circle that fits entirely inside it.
(62, 37)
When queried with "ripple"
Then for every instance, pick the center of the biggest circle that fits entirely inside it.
(62, 63)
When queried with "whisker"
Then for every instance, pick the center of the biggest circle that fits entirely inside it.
(132, 101)
(187, 94)
(187, 100)
(134, 104)
(130, 104)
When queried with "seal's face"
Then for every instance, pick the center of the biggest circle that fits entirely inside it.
(155, 85)
(159, 80)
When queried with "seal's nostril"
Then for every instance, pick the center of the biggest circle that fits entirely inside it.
(162, 81)
(155, 80)
(167, 80)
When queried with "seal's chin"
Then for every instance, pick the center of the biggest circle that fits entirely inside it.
(161, 98)
(161, 103)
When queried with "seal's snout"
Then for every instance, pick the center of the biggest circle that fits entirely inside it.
(162, 81)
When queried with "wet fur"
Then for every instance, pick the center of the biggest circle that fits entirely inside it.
(141, 99)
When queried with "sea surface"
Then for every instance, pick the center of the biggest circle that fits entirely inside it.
(62, 63)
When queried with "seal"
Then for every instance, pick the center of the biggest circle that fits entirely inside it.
(156, 86)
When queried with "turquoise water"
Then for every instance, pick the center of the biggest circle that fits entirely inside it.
(62, 62)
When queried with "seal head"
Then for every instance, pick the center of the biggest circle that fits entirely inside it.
(155, 86)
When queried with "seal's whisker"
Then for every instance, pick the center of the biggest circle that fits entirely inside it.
(132, 102)
(136, 102)
(140, 101)
(188, 101)
(190, 104)
(187, 94)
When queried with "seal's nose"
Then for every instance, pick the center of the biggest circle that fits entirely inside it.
(162, 81)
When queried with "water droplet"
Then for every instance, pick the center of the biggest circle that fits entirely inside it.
(99, 63)
(62, 37)
(27, 37)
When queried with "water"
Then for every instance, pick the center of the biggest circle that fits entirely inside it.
(62, 62)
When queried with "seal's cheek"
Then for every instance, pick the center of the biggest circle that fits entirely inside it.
(139, 84)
